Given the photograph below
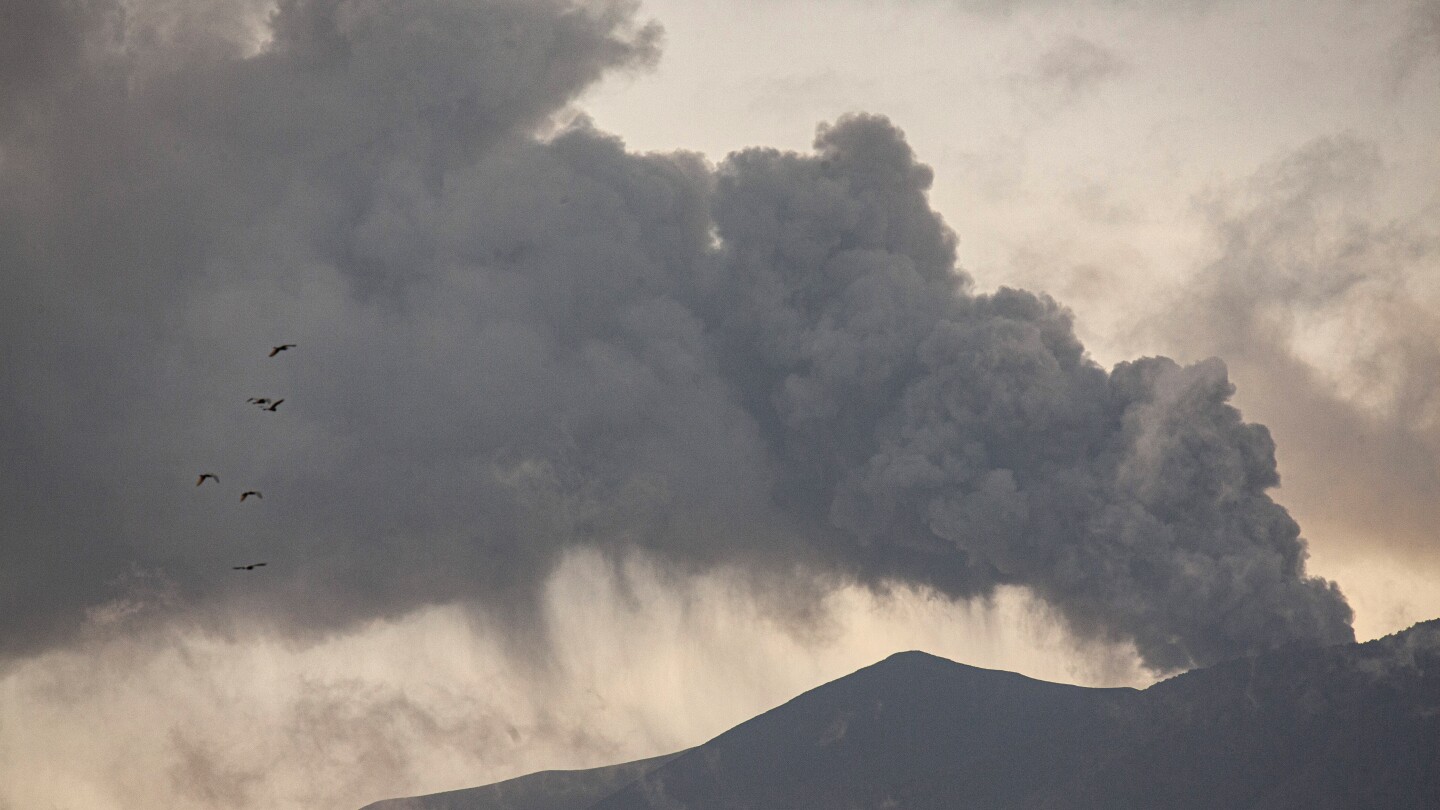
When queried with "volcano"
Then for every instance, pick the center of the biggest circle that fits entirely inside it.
(1343, 726)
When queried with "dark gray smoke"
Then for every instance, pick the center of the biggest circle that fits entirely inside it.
(511, 346)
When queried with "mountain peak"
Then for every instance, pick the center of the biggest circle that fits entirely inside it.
(1350, 725)
(917, 656)
(917, 660)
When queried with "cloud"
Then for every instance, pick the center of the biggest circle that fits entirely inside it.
(163, 187)
(1420, 42)
(1064, 73)
(1314, 298)
(1075, 65)
(511, 347)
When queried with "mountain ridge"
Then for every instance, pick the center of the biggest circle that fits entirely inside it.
(1349, 725)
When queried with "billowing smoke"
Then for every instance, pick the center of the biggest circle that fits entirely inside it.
(512, 346)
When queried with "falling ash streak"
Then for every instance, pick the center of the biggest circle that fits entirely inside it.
(431, 701)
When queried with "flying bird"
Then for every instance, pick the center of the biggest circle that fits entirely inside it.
(259, 400)
(274, 405)
(282, 347)
(250, 567)
(247, 493)
(211, 476)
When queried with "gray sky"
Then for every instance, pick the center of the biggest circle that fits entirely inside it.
(599, 439)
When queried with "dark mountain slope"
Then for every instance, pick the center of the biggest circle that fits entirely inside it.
(546, 790)
(1349, 726)
(909, 732)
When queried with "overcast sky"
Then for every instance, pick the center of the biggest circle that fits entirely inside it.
(657, 362)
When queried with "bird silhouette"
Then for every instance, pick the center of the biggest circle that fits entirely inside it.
(259, 400)
(211, 476)
(250, 567)
(247, 493)
(282, 347)
(274, 405)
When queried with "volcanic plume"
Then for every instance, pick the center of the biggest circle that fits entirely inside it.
(516, 346)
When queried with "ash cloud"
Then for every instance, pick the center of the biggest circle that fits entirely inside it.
(511, 347)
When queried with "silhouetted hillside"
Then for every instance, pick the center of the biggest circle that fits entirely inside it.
(546, 790)
(1349, 726)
